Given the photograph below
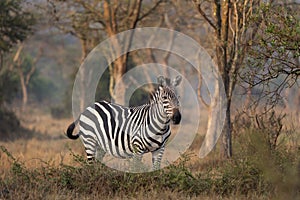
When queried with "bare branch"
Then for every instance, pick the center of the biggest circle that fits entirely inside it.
(135, 14)
(17, 55)
(198, 5)
(200, 96)
(33, 66)
(148, 12)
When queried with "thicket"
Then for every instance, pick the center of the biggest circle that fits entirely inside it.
(256, 171)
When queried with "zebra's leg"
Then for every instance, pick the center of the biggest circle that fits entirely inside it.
(90, 149)
(90, 155)
(156, 158)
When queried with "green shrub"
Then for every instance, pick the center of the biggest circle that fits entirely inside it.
(60, 112)
(239, 177)
(10, 126)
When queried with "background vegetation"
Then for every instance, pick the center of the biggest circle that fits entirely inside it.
(255, 45)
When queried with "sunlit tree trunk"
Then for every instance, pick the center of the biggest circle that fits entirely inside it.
(233, 32)
(23, 87)
(110, 17)
(84, 52)
(118, 69)
(25, 77)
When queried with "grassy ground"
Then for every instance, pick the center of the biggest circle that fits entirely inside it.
(47, 165)
(45, 142)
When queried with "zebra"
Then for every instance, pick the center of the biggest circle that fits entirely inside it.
(130, 132)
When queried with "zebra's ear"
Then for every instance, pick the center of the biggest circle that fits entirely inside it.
(161, 80)
(176, 81)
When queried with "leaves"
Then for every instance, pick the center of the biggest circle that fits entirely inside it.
(15, 23)
(273, 59)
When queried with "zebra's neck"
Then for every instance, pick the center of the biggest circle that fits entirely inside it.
(154, 129)
(158, 115)
(155, 126)
(154, 97)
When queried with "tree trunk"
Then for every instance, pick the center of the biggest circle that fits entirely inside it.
(117, 87)
(82, 101)
(226, 134)
(233, 31)
(222, 15)
(213, 124)
(23, 87)
(1, 61)
(120, 87)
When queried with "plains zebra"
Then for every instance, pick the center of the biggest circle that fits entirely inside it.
(127, 132)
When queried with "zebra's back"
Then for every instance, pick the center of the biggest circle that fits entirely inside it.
(109, 126)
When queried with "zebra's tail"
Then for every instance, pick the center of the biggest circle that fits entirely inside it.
(70, 131)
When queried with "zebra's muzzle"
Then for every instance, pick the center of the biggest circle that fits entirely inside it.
(176, 116)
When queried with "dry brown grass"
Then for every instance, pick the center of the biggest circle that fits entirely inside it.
(47, 144)
(48, 151)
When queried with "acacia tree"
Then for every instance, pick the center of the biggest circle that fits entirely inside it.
(94, 20)
(15, 25)
(235, 24)
(25, 67)
(119, 17)
(274, 58)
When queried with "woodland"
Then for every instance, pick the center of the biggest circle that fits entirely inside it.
(254, 45)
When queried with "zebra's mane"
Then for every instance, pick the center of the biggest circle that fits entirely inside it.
(153, 98)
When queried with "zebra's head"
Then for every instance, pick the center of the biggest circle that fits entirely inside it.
(167, 96)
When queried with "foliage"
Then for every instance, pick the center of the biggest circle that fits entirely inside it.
(15, 23)
(9, 86)
(43, 89)
(15, 26)
(59, 111)
(102, 92)
(246, 176)
(267, 123)
(139, 97)
(8, 123)
(277, 167)
(262, 142)
(274, 55)
(10, 127)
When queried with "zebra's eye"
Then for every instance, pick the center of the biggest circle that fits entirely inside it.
(164, 97)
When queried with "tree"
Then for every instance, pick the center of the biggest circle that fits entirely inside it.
(274, 58)
(15, 25)
(99, 19)
(234, 30)
(25, 68)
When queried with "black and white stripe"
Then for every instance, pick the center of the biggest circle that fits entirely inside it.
(126, 132)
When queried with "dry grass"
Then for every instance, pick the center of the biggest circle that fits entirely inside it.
(45, 168)
(47, 143)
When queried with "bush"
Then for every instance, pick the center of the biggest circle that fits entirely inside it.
(9, 86)
(60, 112)
(97, 180)
(246, 176)
(10, 126)
(277, 166)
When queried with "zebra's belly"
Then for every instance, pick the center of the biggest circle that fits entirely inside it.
(118, 150)
(144, 144)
